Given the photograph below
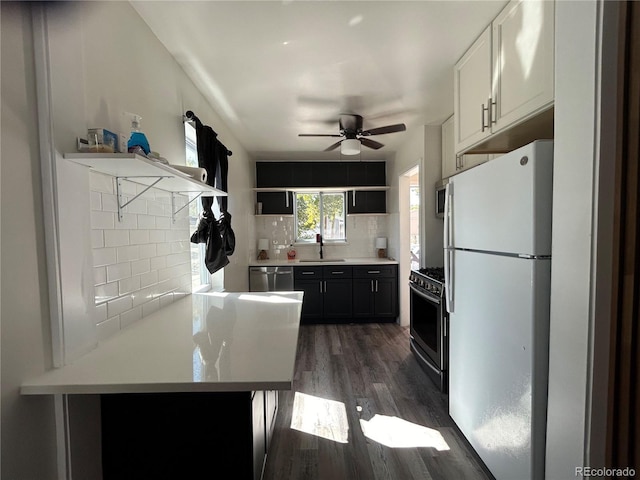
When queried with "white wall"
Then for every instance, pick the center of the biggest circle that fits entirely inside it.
(28, 428)
(572, 275)
(105, 61)
(422, 148)
(142, 263)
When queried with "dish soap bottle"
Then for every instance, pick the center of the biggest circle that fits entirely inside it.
(291, 253)
(137, 140)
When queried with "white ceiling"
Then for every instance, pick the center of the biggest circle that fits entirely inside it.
(274, 69)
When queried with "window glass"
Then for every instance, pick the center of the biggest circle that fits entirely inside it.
(320, 213)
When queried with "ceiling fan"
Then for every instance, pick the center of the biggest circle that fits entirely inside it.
(351, 130)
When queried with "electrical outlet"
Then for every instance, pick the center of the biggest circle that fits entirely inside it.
(122, 142)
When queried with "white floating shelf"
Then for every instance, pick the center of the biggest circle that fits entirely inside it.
(141, 170)
(144, 171)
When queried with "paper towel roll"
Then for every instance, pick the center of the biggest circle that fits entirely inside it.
(199, 174)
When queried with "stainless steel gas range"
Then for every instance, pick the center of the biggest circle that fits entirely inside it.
(428, 323)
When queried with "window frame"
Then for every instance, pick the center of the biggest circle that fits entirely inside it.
(320, 193)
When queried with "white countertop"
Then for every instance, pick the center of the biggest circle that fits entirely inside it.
(202, 343)
(328, 261)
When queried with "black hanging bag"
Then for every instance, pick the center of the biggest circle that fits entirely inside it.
(228, 237)
(217, 234)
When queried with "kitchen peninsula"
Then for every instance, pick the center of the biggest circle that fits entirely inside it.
(190, 389)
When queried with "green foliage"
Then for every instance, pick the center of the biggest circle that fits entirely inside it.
(308, 215)
(309, 209)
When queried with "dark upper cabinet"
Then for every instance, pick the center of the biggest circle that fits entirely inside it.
(366, 201)
(302, 174)
(274, 174)
(276, 203)
(320, 174)
(330, 174)
(367, 174)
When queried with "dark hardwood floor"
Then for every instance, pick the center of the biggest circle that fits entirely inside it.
(370, 369)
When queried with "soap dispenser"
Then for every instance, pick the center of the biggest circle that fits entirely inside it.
(137, 140)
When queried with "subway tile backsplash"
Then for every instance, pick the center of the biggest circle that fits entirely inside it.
(141, 263)
(362, 231)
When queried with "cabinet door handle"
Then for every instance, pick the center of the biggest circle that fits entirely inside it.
(376, 286)
(485, 109)
(325, 286)
(320, 284)
(373, 271)
(337, 273)
(308, 273)
(494, 107)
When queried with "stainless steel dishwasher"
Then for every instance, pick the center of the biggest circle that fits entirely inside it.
(270, 279)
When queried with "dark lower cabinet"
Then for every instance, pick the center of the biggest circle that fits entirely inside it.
(312, 304)
(327, 293)
(375, 293)
(337, 294)
(186, 435)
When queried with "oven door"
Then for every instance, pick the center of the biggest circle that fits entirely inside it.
(427, 324)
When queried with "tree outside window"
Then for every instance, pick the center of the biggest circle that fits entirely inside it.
(323, 213)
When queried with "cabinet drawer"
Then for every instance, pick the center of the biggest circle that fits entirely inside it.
(374, 271)
(307, 273)
(336, 271)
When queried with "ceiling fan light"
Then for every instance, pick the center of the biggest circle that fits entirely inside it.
(350, 146)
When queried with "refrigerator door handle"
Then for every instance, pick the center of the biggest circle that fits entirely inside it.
(448, 251)
(448, 224)
(448, 286)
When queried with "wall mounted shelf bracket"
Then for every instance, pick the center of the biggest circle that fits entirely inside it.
(121, 205)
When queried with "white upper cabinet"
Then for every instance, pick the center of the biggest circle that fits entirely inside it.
(472, 93)
(452, 163)
(507, 75)
(449, 159)
(523, 44)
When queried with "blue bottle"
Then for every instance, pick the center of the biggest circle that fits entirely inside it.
(137, 140)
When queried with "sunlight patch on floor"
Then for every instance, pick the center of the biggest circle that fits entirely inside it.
(397, 433)
(320, 417)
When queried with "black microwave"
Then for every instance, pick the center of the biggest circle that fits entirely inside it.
(440, 197)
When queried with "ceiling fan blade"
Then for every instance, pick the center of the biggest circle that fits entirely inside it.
(371, 143)
(398, 127)
(333, 147)
(318, 135)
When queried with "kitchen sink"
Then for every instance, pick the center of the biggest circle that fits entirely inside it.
(322, 260)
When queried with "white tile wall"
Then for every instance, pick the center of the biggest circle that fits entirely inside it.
(362, 231)
(141, 263)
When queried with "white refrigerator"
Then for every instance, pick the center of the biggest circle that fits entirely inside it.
(497, 238)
